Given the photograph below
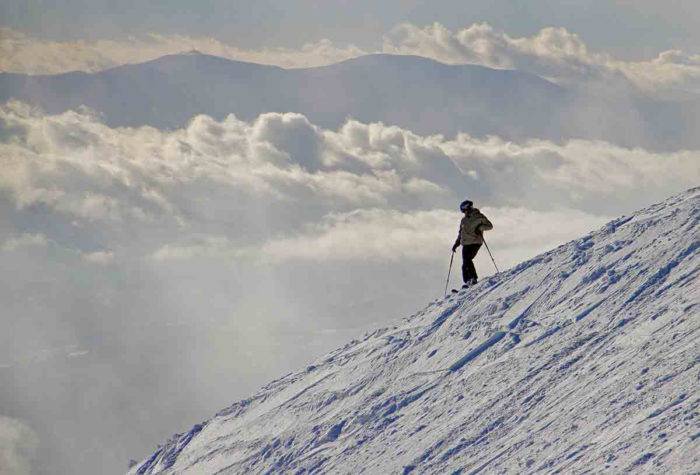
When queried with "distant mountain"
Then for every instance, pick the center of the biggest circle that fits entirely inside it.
(582, 359)
(416, 93)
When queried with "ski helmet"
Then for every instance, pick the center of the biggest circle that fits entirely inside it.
(466, 204)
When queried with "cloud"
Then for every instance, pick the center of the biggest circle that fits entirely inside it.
(368, 234)
(25, 54)
(99, 257)
(22, 241)
(213, 174)
(389, 235)
(18, 443)
(198, 247)
(81, 168)
(530, 232)
(279, 188)
(553, 52)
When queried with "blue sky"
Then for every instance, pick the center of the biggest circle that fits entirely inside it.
(628, 29)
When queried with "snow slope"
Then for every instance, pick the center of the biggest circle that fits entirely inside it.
(583, 359)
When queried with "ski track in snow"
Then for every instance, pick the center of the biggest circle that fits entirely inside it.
(581, 360)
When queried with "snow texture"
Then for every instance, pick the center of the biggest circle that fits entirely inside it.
(583, 359)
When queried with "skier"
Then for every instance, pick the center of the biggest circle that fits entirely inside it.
(471, 227)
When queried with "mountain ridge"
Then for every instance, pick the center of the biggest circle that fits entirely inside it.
(194, 54)
(413, 92)
(584, 356)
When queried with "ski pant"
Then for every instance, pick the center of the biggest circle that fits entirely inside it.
(468, 253)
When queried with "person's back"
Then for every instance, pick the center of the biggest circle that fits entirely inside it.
(470, 237)
(471, 227)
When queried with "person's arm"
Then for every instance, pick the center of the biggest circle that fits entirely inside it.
(484, 225)
(456, 244)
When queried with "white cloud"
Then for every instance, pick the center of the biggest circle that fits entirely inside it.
(378, 234)
(26, 54)
(523, 233)
(279, 188)
(554, 53)
(25, 240)
(99, 257)
(369, 234)
(18, 442)
(212, 247)
(245, 181)
(77, 166)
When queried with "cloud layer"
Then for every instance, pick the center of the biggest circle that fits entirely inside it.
(389, 235)
(553, 52)
(76, 166)
(212, 176)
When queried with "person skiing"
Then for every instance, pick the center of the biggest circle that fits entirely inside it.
(470, 237)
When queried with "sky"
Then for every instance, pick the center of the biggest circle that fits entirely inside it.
(150, 277)
(628, 28)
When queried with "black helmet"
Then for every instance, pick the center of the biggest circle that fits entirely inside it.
(465, 205)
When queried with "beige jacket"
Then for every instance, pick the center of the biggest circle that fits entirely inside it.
(471, 227)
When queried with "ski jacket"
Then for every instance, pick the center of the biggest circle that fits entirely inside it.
(472, 225)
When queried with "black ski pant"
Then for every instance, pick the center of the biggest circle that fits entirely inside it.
(468, 253)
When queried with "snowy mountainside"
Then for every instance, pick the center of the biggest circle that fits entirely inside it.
(583, 359)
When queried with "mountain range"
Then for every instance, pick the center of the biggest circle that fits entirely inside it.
(412, 92)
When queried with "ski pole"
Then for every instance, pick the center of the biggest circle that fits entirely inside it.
(492, 259)
(447, 283)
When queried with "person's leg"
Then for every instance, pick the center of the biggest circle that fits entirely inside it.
(468, 270)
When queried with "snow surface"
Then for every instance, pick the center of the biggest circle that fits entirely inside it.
(581, 360)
